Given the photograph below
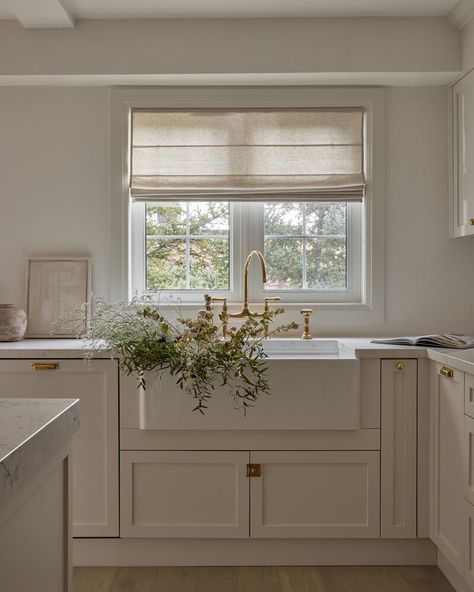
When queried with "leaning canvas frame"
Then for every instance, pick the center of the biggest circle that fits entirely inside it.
(56, 285)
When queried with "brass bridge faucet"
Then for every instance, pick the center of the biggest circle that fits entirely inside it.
(245, 312)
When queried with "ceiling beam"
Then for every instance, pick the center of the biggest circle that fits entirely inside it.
(41, 14)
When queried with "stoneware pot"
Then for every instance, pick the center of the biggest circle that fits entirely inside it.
(12, 322)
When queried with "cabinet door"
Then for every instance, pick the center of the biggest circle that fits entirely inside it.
(469, 458)
(463, 157)
(447, 516)
(398, 455)
(469, 395)
(315, 495)
(184, 494)
(95, 444)
(469, 544)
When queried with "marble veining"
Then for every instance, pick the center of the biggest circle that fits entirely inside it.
(31, 431)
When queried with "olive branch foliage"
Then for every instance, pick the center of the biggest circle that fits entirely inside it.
(193, 351)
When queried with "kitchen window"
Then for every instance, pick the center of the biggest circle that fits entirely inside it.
(209, 186)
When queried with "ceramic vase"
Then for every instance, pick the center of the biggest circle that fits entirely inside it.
(12, 322)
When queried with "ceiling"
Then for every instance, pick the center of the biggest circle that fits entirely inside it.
(62, 13)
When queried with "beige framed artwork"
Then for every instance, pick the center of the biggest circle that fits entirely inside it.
(56, 286)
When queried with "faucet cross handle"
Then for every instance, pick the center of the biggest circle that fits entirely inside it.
(225, 311)
(271, 299)
(266, 309)
(207, 302)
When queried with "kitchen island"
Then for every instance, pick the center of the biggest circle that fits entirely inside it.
(35, 487)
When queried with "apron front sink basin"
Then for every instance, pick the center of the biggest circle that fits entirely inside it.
(314, 385)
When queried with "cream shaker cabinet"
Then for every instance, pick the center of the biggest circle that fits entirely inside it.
(184, 494)
(462, 203)
(292, 494)
(398, 445)
(447, 463)
(315, 494)
(95, 445)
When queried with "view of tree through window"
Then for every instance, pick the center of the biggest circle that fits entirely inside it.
(306, 245)
(187, 246)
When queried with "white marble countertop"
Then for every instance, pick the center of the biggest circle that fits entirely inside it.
(31, 431)
(362, 347)
(43, 348)
(73, 348)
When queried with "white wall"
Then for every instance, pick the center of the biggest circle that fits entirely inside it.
(54, 196)
(429, 282)
(54, 200)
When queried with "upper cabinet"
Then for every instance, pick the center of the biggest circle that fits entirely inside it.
(462, 203)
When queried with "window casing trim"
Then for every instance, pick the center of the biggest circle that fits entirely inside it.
(370, 308)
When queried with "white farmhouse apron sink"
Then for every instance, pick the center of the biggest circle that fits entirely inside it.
(314, 385)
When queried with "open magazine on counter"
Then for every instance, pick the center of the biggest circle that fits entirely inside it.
(451, 340)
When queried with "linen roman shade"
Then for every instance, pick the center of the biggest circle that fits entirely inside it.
(247, 154)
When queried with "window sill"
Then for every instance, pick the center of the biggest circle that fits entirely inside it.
(324, 313)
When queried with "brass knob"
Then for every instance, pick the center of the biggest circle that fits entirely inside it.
(306, 312)
(471, 222)
(399, 365)
(448, 372)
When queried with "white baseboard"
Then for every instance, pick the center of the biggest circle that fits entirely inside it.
(179, 552)
(454, 577)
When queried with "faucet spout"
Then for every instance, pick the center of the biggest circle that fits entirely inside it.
(245, 312)
(263, 268)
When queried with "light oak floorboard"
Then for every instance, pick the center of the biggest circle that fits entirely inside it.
(261, 579)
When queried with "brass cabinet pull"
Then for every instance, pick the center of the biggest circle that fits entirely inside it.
(399, 365)
(471, 221)
(254, 470)
(448, 372)
(45, 366)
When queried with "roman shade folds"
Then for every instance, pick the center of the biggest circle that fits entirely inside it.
(247, 154)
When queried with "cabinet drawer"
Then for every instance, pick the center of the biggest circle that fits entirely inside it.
(184, 494)
(316, 495)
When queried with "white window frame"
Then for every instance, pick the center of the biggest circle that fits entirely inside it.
(246, 234)
(368, 305)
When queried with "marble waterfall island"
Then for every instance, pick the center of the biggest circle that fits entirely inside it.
(35, 493)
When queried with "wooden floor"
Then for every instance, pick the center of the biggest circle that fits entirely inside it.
(260, 579)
